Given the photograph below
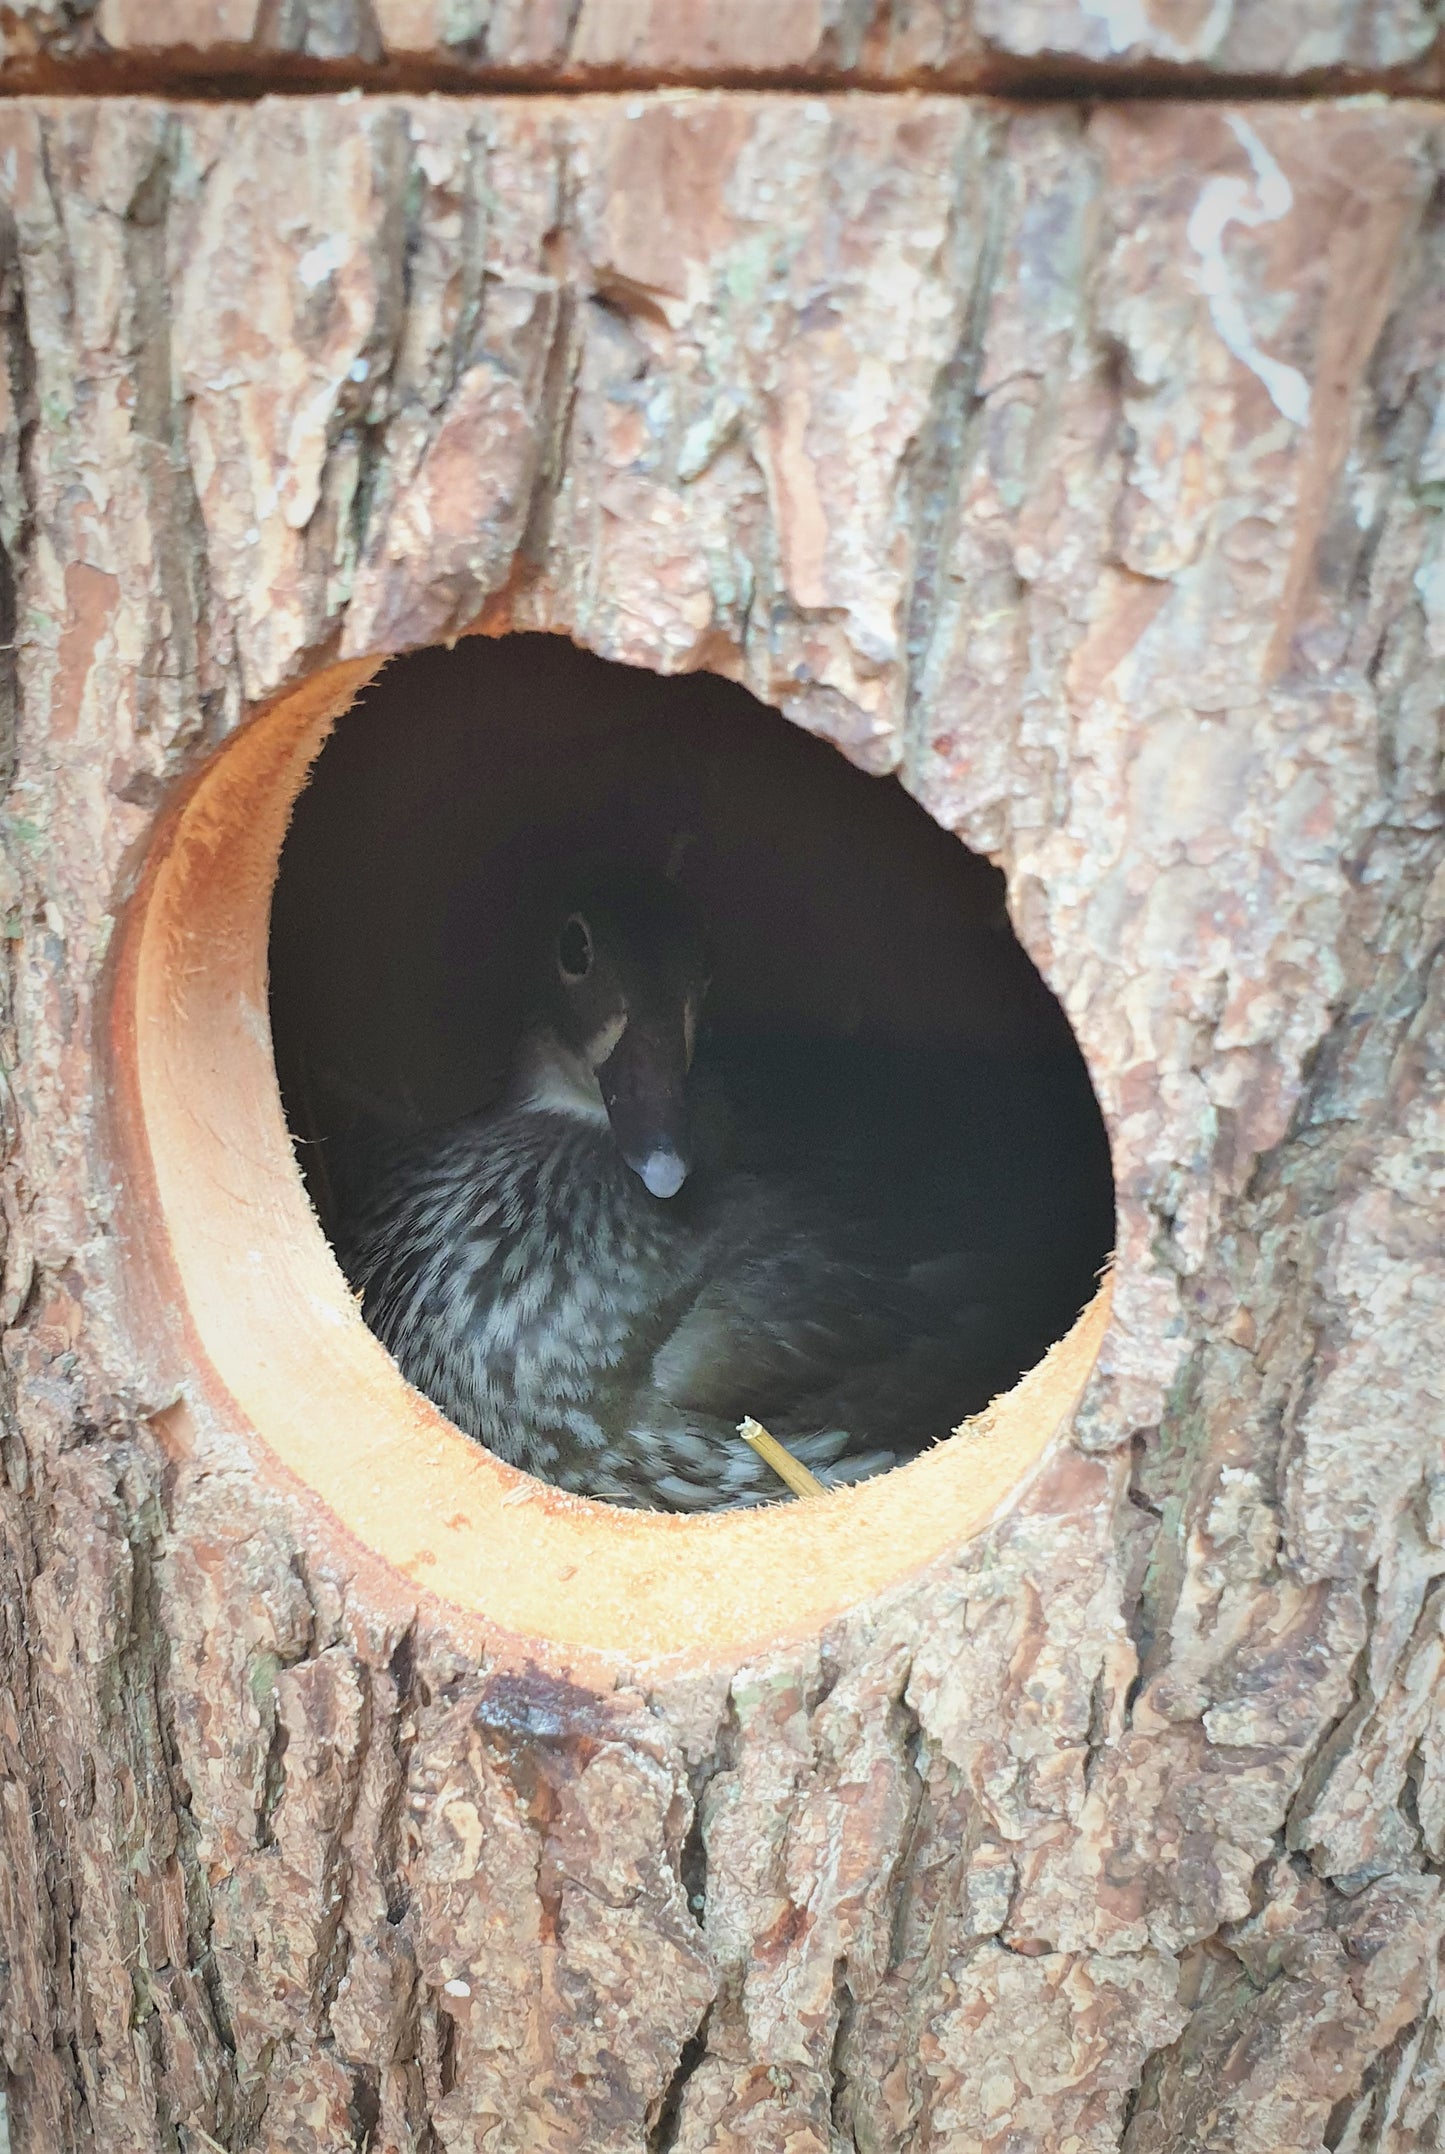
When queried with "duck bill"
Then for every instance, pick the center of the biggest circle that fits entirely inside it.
(644, 1089)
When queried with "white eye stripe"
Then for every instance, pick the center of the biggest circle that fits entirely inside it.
(601, 1044)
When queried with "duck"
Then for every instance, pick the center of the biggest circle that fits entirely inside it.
(599, 1275)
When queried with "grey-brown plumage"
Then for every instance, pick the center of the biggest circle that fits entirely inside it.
(577, 1291)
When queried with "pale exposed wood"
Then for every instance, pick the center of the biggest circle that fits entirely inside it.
(215, 1217)
(1085, 471)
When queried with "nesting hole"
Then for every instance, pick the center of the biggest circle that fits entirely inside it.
(881, 1074)
(396, 921)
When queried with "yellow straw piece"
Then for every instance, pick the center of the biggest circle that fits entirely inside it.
(782, 1461)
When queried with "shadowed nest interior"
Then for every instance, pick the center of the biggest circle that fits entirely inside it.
(827, 1155)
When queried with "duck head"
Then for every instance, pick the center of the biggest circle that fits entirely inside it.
(623, 981)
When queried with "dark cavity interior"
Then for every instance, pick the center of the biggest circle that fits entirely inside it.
(902, 1192)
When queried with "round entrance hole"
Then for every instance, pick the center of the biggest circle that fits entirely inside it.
(846, 934)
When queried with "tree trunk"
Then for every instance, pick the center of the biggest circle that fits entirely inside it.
(594, 44)
(1083, 468)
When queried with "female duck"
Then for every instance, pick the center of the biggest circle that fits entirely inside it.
(598, 1292)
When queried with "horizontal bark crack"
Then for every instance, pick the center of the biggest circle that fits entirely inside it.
(239, 75)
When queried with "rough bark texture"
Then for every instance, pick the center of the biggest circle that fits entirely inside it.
(1085, 471)
(953, 43)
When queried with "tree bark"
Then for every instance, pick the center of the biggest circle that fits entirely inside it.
(1085, 471)
(930, 44)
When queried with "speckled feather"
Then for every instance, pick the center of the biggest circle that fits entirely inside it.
(602, 1275)
(609, 1342)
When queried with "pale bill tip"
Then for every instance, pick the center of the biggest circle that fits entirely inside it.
(663, 1173)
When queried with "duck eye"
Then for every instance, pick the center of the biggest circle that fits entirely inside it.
(574, 950)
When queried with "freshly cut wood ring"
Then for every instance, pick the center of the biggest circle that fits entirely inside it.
(267, 1343)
